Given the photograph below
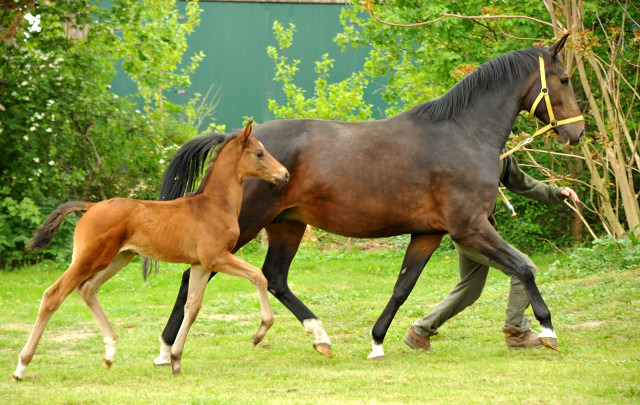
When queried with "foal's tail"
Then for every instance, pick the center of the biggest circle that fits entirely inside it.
(44, 235)
(185, 168)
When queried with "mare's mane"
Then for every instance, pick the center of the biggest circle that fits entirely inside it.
(215, 152)
(508, 68)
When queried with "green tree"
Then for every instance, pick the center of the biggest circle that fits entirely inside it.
(336, 101)
(424, 47)
(63, 134)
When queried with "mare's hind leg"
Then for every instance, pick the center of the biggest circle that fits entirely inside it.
(418, 253)
(51, 301)
(88, 290)
(284, 240)
(197, 284)
(487, 241)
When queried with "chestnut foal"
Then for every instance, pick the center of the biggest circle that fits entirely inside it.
(200, 230)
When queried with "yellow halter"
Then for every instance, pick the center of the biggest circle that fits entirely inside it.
(553, 123)
(544, 93)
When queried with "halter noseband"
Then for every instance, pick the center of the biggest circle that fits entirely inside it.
(544, 93)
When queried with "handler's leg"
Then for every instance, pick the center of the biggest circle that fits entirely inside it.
(517, 327)
(473, 275)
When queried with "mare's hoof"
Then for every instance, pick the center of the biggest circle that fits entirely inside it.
(177, 370)
(107, 363)
(323, 348)
(160, 364)
(550, 342)
(14, 377)
(377, 358)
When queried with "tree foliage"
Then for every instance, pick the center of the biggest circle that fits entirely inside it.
(63, 134)
(337, 101)
(423, 48)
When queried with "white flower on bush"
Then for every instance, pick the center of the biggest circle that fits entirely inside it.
(36, 159)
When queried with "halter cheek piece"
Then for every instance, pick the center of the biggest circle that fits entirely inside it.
(544, 93)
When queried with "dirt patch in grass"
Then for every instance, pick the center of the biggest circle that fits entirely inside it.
(587, 325)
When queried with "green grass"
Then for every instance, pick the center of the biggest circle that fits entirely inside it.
(596, 316)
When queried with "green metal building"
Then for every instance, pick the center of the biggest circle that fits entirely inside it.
(234, 36)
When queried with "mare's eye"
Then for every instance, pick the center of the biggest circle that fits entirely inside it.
(260, 154)
(564, 80)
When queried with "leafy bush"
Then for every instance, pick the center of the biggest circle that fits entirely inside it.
(605, 253)
(63, 134)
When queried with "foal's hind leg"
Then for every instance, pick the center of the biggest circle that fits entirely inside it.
(51, 301)
(88, 290)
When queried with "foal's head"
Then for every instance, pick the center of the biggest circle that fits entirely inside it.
(255, 161)
(560, 95)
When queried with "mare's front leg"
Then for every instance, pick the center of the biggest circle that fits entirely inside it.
(197, 284)
(88, 290)
(420, 249)
(284, 240)
(487, 241)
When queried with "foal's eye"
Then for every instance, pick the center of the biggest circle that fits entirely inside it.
(564, 80)
(260, 154)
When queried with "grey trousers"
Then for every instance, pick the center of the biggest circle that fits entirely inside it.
(473, 268)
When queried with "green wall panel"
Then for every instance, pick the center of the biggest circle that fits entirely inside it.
(235, 35)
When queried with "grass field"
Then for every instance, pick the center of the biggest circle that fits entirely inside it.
(596, 315)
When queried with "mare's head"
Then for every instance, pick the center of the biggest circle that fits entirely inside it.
(255, 161)
(558, 108)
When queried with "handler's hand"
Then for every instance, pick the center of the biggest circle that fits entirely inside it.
(568, 192)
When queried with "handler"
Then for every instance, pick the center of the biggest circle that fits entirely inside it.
(474, 267)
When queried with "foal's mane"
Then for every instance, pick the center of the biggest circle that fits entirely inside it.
(507, 68)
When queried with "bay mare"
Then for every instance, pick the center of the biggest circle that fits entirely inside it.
(426, 172)
(199, 230)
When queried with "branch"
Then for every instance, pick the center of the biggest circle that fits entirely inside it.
(369, 7)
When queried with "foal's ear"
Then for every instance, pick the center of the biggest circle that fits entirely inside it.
(246, 133)
(557, 47)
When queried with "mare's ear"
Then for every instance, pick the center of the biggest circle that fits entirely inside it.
(246, 133)
(557, 47)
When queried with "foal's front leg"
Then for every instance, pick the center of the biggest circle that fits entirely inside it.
(230, 264)
(197, 285)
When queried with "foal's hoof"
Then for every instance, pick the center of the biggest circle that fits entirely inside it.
(255, 339)
(107, 363)
(550, 342)
(375, 357)
(323, 348)
(14, 377)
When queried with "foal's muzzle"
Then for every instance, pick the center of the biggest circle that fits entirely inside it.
(282, 177)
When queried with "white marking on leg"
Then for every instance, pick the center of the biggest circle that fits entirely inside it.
(315, 328)
(164, 359)
(110, 353)
(377, 352)
(546, 332)
(19, 373)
